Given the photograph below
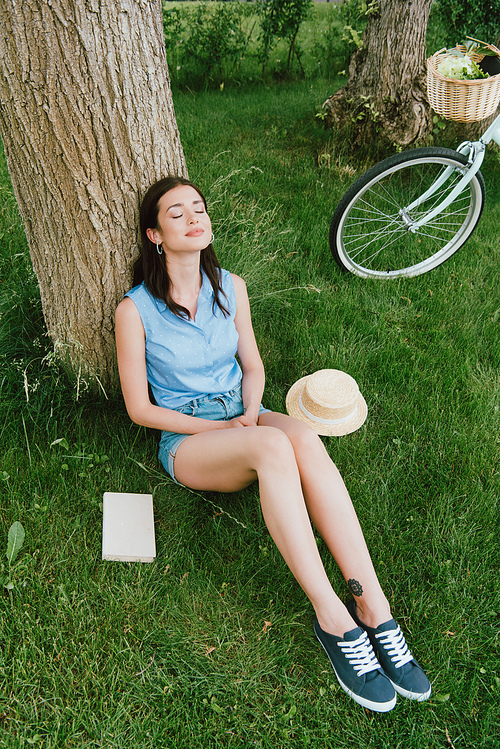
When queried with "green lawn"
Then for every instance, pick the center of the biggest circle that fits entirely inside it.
(212, 644)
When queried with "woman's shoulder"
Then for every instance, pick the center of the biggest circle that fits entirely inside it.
(234, 287)
(137, 291)
(126, 311)
(142, 298)
(231, 279)
(238, 283)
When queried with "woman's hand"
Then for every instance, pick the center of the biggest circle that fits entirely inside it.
(245, 420)
(233, 423)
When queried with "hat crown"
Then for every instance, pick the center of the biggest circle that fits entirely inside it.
(329, 401)
(330, 394)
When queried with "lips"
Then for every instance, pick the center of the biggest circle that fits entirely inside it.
(195, 233)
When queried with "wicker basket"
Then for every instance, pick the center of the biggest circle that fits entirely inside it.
(463, 101)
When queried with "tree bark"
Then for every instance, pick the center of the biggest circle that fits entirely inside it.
(88, 124)
(385, 96)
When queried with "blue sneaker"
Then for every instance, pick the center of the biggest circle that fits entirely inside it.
(389, 644)
(357, 669)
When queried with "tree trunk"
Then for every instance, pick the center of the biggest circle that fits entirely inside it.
(385, 96)
(88, 124)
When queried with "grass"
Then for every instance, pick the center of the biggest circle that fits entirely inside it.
(211, 645)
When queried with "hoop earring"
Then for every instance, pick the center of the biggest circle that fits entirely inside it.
(212, 238)
(159, 249)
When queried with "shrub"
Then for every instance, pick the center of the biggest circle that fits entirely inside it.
(281, 19)
(206, 43)
(461, 18)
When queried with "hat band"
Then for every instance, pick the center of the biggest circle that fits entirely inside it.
(318, 419)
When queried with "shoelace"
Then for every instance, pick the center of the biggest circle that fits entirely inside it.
(395, 646)
(360, 654)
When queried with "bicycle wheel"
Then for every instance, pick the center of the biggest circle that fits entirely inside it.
(370, 231)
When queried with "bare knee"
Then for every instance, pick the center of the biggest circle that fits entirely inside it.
(307, 445)
(273, 446)
(305, 440)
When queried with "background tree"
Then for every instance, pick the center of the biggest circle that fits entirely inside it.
(385, 96)
(87, 122)
(282, 19)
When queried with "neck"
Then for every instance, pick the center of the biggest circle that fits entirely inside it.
(185, 276)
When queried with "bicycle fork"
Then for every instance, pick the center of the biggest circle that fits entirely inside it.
(475, 153)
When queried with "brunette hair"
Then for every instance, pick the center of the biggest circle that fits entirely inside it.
(151, 267)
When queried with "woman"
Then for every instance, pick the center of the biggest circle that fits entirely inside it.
(179, 331)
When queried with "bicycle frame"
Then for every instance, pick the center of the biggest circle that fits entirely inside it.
(475, 152)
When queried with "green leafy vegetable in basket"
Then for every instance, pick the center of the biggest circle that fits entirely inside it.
(459, 66)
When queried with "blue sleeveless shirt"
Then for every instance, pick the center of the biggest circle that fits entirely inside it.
(188, 359)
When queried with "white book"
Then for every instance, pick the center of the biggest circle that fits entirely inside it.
(128, 532)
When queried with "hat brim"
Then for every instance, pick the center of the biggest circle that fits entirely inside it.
(334, 429)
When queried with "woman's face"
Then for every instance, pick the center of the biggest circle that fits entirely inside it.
(183, 223)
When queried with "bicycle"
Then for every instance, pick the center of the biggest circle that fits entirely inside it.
(411, 212)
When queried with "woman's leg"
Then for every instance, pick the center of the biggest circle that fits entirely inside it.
(293, 468)
(333, 515)
(229, 460)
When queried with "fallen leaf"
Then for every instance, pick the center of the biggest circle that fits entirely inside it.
(441, 697)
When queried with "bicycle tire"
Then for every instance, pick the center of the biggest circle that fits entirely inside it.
(368, 236)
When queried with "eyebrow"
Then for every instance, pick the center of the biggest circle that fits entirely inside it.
(181, 205)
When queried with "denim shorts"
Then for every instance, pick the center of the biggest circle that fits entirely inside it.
(221, 408)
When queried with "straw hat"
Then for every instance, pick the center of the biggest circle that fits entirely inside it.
(329, 401)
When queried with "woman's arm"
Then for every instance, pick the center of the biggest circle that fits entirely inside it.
(131, 353)
(248, 353)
